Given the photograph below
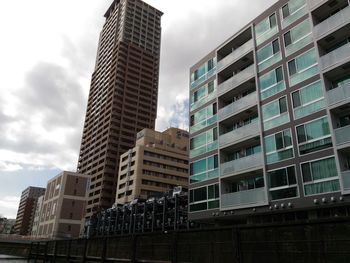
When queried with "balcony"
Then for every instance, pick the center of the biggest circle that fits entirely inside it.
(342, 135)
(203, 78)
(339, 95)
(345, 176)
(244, 133)
(337, 20)
(336, 57)
(254, 197)
(235, 55)
(242, 165)
(236, 80)
(238, 106)
(203, 124)
(294, 47)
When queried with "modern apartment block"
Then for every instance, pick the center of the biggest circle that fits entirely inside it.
(270, 118)
(26, 210)
(37, 216)
(63, 206)
(123, 94)
(157, 164)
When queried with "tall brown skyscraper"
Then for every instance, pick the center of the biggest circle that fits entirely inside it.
(123, 94)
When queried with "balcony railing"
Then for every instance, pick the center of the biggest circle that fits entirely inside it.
(235, 55)
(335, 57)
(245, 164)
(245, 132)
(236, 80)
(203, 78)
(339, 94)
(335, 21)
(252, 197)
(277, 121)
(266, 35)
(238, 106)
(346, 180)
(342, 135)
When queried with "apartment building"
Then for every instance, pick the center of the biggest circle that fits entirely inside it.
(26, 210)
(123, 95)
(269, 118)
(63, 206)
(157, 164)
(37, 215)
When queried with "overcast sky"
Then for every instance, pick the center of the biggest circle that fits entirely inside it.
(47, 54)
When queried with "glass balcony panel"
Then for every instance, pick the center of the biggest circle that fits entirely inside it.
(342, 135)
(339, 94)
(213, 174)
(282, 119)
(279, 156)
(235, 55)
(294, 17)
(243, 133)
(336, 56)
(244, 198)
(292, 48)
(238, 106)
(278, 87)
(270, 61)
(268, 34)
(203, 78)
(203, 101)
(241, 165)
(236, 80)
(346, 180)
(308, 109)
(304, 75)
(337, 20)
(203, 124)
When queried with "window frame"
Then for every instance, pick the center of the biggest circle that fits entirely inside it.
(276, 116)
(282, 149)
(319, 180)
(285, 186)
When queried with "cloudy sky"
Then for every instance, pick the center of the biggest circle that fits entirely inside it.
(47, 55)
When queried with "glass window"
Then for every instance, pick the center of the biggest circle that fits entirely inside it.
(275, 108)
(320, 176)
(266, 29)
(308, 100)
(199, 198)
(271, 83)
(204, 169)
(198, 141)
(292, 11)
(303, 67)
(282, 183)
(314, 136)
(285, 11)
(287, 39)
(198, 167)
(278, 146)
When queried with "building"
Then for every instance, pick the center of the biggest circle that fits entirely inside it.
(123, 95)
(37, 215)
(157, 164)
(270, 115)
(26, 209)
(6, 225)
(63, 206)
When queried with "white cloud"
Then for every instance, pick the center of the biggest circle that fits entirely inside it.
(9, 206)
(9, 167)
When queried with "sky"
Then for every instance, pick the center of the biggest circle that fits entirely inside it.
(47, 56)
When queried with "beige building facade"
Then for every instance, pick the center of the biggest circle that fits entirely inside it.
(63, 206)
(157, 163)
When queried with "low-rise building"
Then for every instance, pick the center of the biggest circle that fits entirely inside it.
(63, 206)
(157, 163)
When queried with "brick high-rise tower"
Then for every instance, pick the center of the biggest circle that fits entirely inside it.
(123, 94)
